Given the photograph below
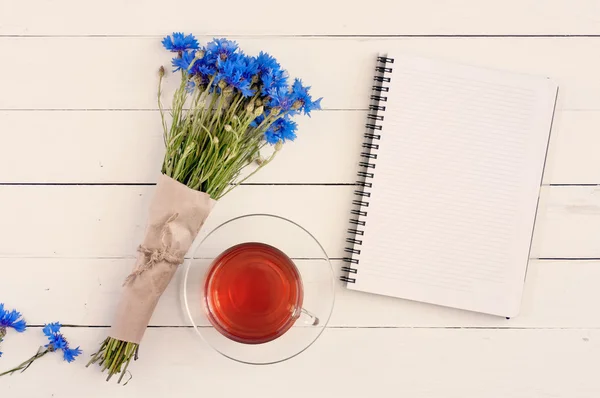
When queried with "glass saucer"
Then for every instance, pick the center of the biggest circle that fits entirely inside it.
(313, 266)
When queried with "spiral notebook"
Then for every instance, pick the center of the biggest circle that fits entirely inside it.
(450, 176)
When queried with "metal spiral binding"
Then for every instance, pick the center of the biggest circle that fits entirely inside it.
(367, 166)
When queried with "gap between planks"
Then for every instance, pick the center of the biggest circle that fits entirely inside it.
(150, 184)
(36, 326)
(312, 36)
(283, 184)
(566, 259)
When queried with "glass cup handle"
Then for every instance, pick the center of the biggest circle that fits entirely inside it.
(309, 318)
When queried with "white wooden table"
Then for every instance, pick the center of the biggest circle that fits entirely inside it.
(80, 148)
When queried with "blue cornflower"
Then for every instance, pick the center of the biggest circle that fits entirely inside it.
(302, 99)
(69, 354)
(11, 319)
(281, 98)
(220, 49)
(266, 63)
(56, 341)
(270, 73)
(275, 79)
(190, 86)
(183, 62)
(231, 71)
(257, 121)
(283, 130)
(204, 66)
(249, 67)
(180, 42)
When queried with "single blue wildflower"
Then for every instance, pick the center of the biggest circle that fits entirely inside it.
(281, 98)
(183, 62)
(249, 68)
(11, 319)
(231, 71)
(190, 86)
(302, 99)
(57, 341)
(69, 354)
(51, 328)
(274, 80)
(257, 121)
(204, 66)
(283, 130)
(266, 63)
(179, 42)
(220, 49)
(270, 73)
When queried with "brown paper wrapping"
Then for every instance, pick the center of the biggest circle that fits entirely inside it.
(175, 218)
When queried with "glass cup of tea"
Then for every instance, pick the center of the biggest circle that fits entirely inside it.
(259, 289)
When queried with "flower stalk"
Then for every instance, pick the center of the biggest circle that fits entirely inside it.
(56, 342)
(112, 355)
(26, 364)
(10, 319)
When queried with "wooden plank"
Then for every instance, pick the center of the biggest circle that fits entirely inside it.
(558, 294)
(569, 223)
(120, 73)
(126, 147)
(109, 221)
(313, 17)
(101, 221)
(572, 156)
(449, 363)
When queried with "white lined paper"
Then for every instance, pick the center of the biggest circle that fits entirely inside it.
(456, 185)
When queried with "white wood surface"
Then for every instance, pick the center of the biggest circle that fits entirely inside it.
(80, 149)
(125, 146)
(121, 72)
(311, 17)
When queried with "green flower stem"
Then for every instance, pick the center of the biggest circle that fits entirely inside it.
(113, 355)
(209, 144)
(263, 164)
(23, 366)
(161, 75)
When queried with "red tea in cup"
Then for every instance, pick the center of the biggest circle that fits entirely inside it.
(253, 293)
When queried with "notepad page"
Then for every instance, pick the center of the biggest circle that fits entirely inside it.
(456, 185)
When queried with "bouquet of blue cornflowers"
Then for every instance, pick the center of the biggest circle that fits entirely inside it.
(10, 320)
(227, 108)
(56, 342)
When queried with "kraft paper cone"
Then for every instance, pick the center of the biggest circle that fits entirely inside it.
(176, 215)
